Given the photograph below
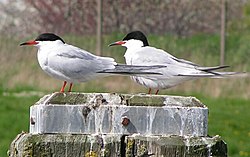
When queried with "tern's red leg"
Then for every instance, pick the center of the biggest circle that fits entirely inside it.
(64, 84)
(157, 92)
(70, 87)
(149, 91)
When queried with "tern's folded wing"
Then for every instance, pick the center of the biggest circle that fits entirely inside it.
(133, 69)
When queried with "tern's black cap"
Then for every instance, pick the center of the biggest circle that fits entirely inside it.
(138, 35)
(48, 37)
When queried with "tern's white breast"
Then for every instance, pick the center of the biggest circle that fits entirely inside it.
(42, 57)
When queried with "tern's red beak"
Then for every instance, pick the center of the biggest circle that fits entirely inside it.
(117, 43)
(32, 42)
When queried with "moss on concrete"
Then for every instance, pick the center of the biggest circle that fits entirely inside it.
(97, 99)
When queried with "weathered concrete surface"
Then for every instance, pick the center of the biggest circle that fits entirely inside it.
(113, 125)
(65, 145)
(175, 146)
(104, 114)
(113, 145)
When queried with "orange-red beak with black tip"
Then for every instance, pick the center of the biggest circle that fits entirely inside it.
(117, 43)
(32, 42)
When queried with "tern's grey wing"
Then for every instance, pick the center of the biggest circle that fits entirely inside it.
(77, 64)
(153, 56)
(82, 54)
(174, 66)
(149, 56)
(212, 68)
(176, 71)
(184, 61)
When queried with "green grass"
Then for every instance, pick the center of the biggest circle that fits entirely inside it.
(14, 118)
(229, 118)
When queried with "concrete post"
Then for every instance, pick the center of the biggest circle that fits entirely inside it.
(79, 124)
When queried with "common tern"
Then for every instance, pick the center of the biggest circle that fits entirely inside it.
(72, 64)
(174, 72)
